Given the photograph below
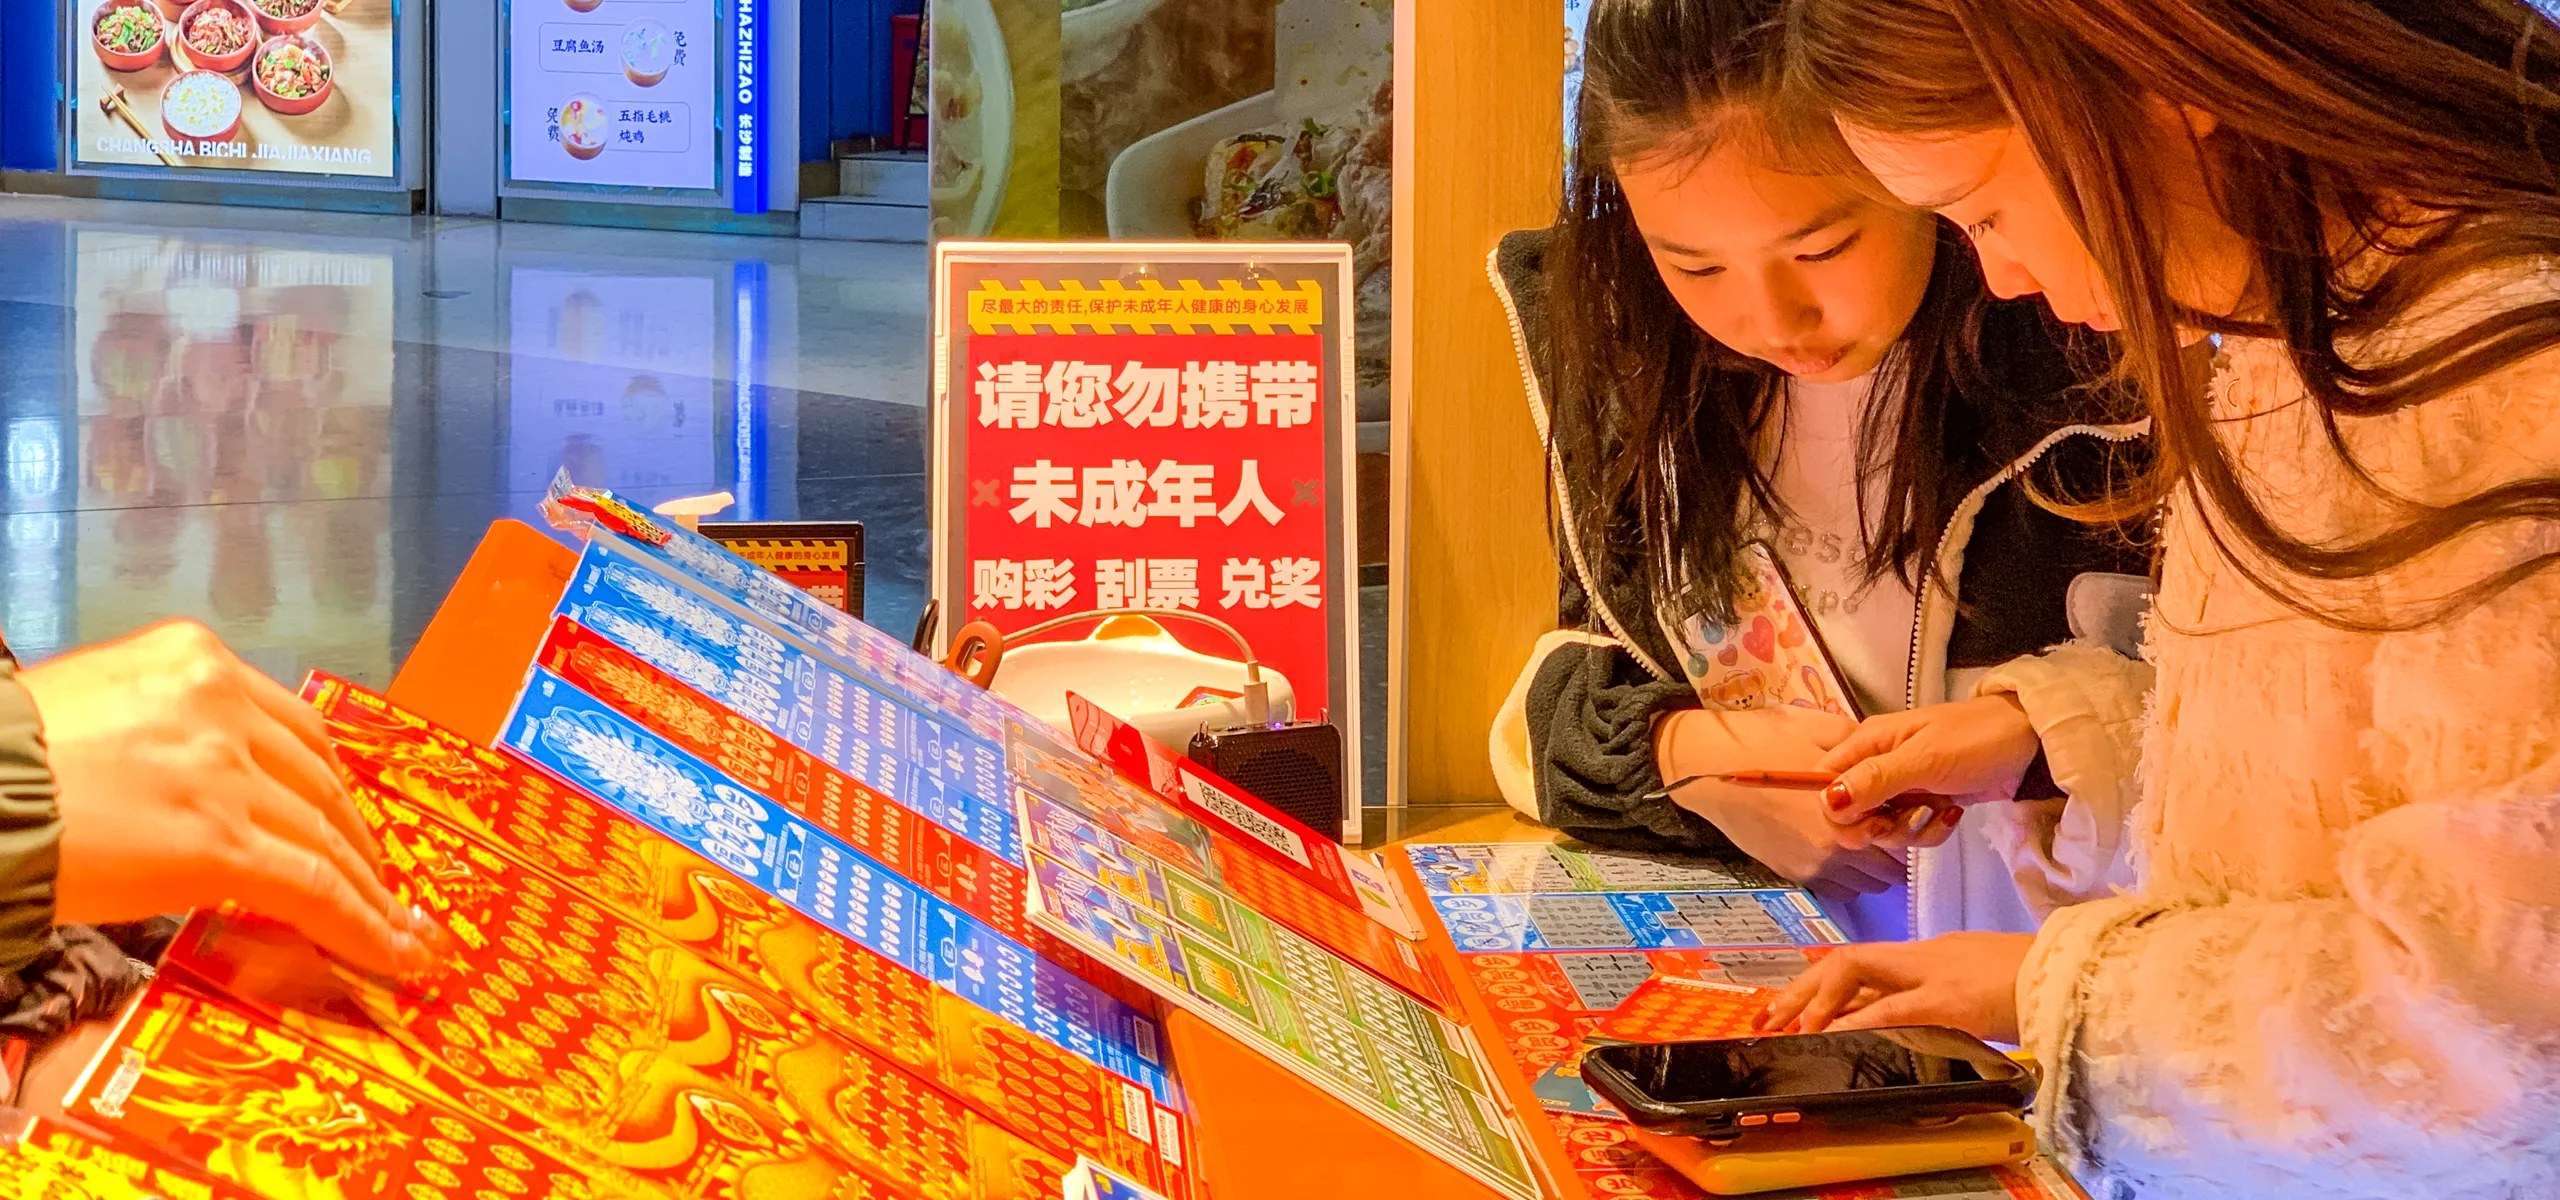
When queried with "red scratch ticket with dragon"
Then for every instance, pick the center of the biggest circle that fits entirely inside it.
(980, 882)
(52, 1162)
(213, 1088)
(634, 1058)
(442, 804)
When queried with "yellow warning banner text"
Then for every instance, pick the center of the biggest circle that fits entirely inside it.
(1147, 306)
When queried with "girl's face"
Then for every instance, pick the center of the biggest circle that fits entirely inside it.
(1800, 271)
(1990, 184)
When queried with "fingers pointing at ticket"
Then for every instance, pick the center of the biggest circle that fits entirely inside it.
(185, 778)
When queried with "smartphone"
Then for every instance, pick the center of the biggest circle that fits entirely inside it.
(1723, 1089)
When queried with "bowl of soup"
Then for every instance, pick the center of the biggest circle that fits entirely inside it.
(586, 126)
(648, 52)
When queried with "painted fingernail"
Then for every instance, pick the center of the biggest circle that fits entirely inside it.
(1917, 822)
(1837, 795)
(1951, 816)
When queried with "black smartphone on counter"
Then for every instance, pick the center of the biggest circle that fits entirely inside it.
(1726, 1088)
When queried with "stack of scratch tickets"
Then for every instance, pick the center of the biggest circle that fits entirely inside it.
(750, 902)
(1565, 943)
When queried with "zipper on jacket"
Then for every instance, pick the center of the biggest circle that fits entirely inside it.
(1539, 417)
(1969, 508)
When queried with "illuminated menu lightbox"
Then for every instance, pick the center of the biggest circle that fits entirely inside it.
(615, 93)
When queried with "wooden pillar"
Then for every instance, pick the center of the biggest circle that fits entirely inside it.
(1478, 153)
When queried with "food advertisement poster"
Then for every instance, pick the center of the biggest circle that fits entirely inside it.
(1157, 425)
(1142, 120)
(296, 86)
(614, 93)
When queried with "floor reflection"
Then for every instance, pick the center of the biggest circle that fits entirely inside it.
(297, 429)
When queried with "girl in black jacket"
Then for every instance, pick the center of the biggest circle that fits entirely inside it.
(1733, 336)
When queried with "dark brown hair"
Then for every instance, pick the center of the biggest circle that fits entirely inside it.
(1658, 425)
(2418, 127)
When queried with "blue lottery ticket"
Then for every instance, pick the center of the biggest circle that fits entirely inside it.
(857, 646)
(632, 769)
(1635, 921)
(1093, 1181)
(956, 780)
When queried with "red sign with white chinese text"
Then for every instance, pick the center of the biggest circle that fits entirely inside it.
(1153, 471)
(1155, 426)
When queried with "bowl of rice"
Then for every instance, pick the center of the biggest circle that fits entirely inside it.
(292, 73)
(200, 106)
(129, 34)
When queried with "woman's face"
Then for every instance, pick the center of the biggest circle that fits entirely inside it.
(1799, 271)
(1990, 184)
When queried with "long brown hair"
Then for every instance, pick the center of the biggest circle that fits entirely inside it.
(1657, 423)
(2423, 127)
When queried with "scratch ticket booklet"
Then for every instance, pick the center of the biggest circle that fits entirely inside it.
(1519, 868)
(1075, 804)
(918, 758)
(436, 798)
(829, 633)
(1377, 1049)
(48, 1160)
(589, 746)
(1093, 1181)
(215, 1089)
(982, 883)
(1636, 921)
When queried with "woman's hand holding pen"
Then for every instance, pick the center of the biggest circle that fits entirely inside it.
(1782, 827)
(1970, 750)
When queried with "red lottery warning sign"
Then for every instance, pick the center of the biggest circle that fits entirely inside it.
(1172, 437)
(1152, 471)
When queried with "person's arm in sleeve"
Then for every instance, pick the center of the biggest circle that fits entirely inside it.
(2403, 1016)
(2068, 844)
(1589, 710)
(30, 827)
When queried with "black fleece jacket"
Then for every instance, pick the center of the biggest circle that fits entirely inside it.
(1591, 708)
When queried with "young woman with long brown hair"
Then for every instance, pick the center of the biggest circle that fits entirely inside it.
(1731, 335)
(2337, 975)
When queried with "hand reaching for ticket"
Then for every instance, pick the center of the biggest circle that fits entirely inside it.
(1967, 981)
(186, 778)
(1972, 751)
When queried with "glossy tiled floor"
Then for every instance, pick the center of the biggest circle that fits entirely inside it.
(296, 426)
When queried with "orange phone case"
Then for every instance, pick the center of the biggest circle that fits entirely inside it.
(1765, 1162)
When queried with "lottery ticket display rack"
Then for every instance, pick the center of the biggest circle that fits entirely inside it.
(735, 917)
(1256, 1130)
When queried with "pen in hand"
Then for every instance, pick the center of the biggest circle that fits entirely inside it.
(1794, 781)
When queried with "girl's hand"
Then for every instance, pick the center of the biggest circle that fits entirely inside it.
(1786, 830)
(1967, 981)
(1973, 750)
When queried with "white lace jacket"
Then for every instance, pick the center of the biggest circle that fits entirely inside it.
(2340, 975)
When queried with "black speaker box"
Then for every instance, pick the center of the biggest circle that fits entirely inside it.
(1294, 768)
